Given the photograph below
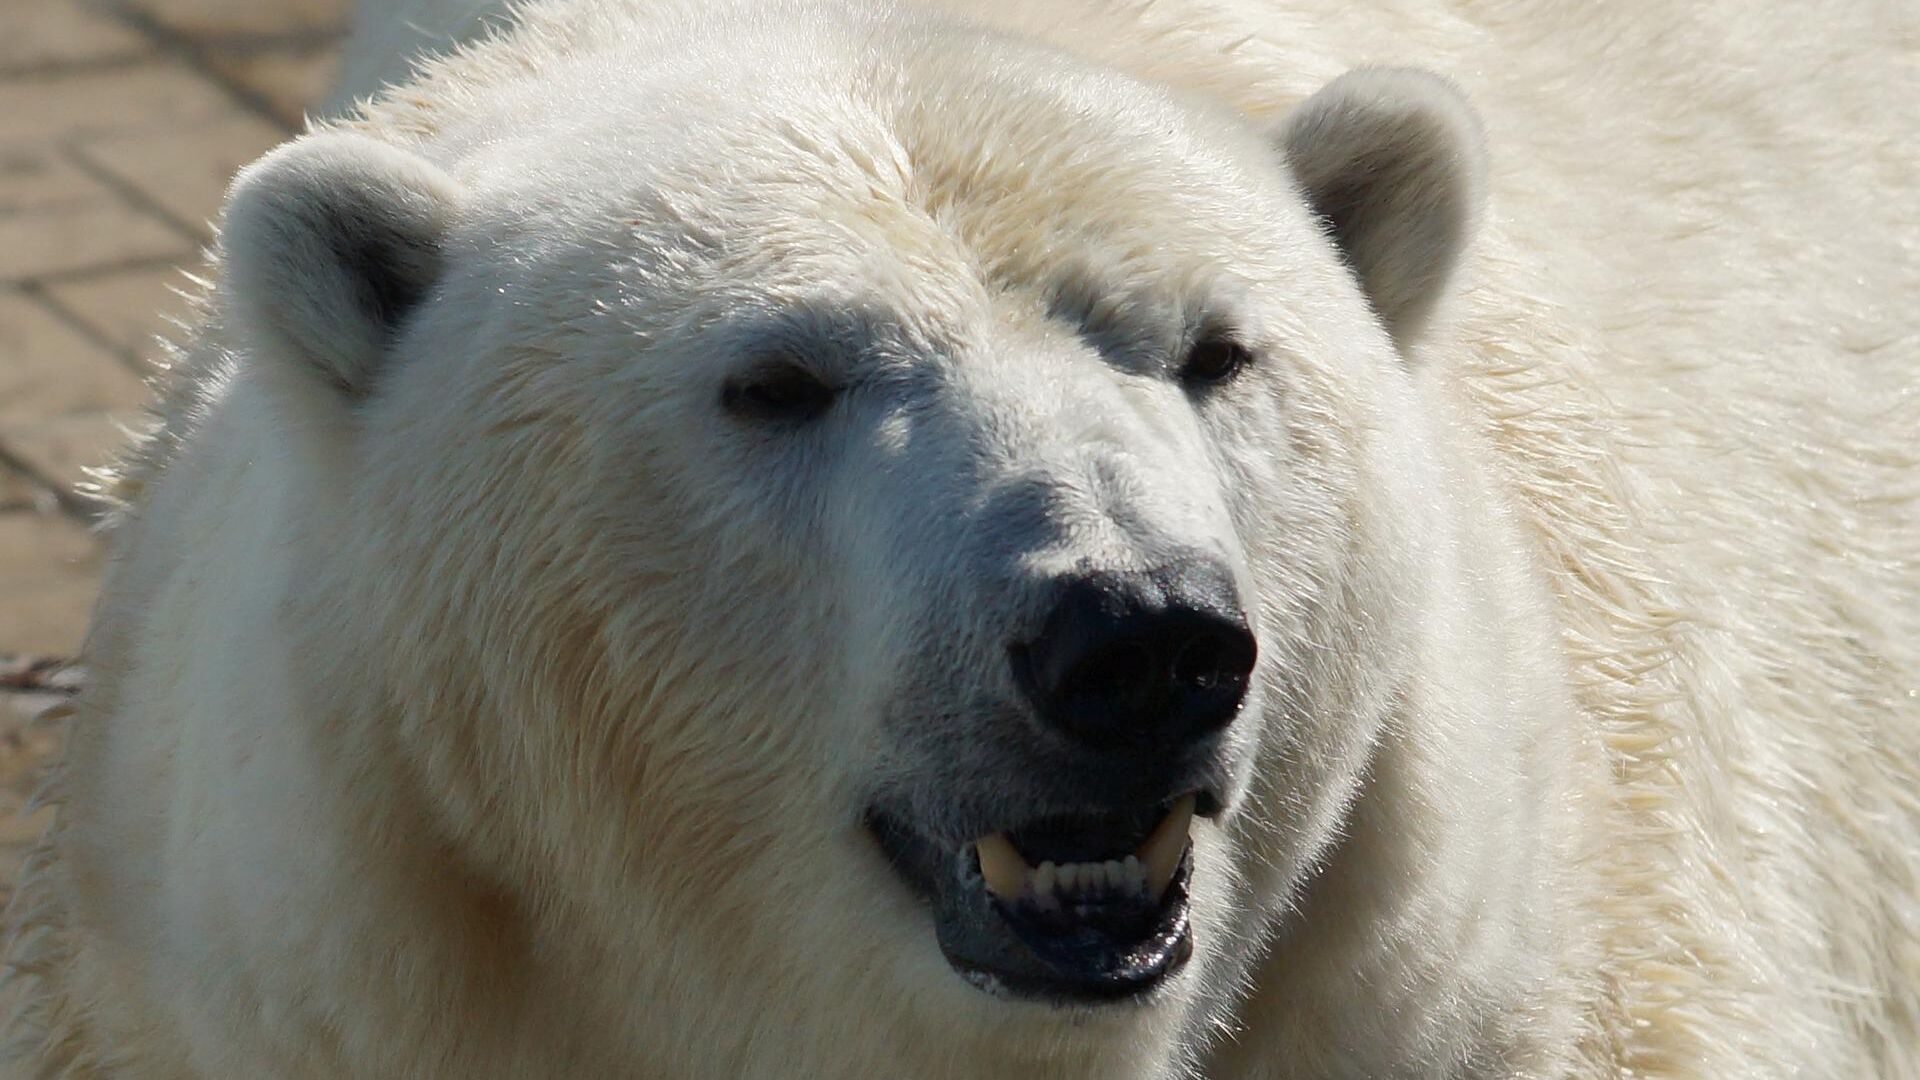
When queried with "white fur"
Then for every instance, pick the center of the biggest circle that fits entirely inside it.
(503, 709)
(326, 244)
(1394, 162)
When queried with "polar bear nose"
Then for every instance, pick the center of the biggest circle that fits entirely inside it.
(1146, 660)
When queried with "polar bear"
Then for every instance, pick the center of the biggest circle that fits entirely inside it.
(1054, 539)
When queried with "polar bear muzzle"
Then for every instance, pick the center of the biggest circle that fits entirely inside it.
(1078, 891)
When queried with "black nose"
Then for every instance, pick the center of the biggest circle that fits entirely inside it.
(1151, 660)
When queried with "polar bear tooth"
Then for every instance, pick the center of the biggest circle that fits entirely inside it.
(1148, 870)
(1160, 855)
(1005, 871)
(1044, 879)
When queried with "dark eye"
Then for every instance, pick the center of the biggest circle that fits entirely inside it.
(782, 392)
(1214, 359)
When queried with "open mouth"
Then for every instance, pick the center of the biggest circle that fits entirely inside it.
(1083, 908)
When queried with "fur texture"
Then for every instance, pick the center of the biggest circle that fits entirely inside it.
(329, 245)
(493, 705)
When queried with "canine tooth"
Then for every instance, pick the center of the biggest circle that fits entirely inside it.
(1160, 855)
(1044, 879)
(1003, 868)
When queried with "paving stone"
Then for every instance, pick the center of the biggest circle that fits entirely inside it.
(293, 81)
(21, 674)
(55, 218)
(142, 97)
(10, 863)
(48, 369)
(129, 308)
(37, 244)
(185, 170)
(49, 33)
(18, 831)
(18, 492)
(247, 18)
(30, 740)
(49, 573)
(60, 449)
(38, 178)
(32, 689)
(32, 728)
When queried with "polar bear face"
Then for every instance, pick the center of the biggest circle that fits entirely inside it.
(947, 525)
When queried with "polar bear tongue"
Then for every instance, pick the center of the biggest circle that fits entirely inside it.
(1149, 869)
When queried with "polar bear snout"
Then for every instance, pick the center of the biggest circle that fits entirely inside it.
(1152, 661)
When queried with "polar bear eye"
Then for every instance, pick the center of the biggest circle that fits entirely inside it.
(784, 392)
(1214, 359)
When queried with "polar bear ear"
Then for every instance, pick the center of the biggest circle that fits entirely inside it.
(328, 243)
(1393, 161)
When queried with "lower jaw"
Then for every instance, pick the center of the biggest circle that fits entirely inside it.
(998, 952)
(1059, 994)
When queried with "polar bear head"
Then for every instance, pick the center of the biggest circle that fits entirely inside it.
(904, 517)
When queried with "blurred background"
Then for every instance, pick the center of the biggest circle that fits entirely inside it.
(121, 122)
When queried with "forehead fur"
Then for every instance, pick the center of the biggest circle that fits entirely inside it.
(852, 159)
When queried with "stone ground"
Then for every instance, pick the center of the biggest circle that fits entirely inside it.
(121, 122)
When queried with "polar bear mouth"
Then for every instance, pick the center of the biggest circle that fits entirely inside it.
(1064, 909)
